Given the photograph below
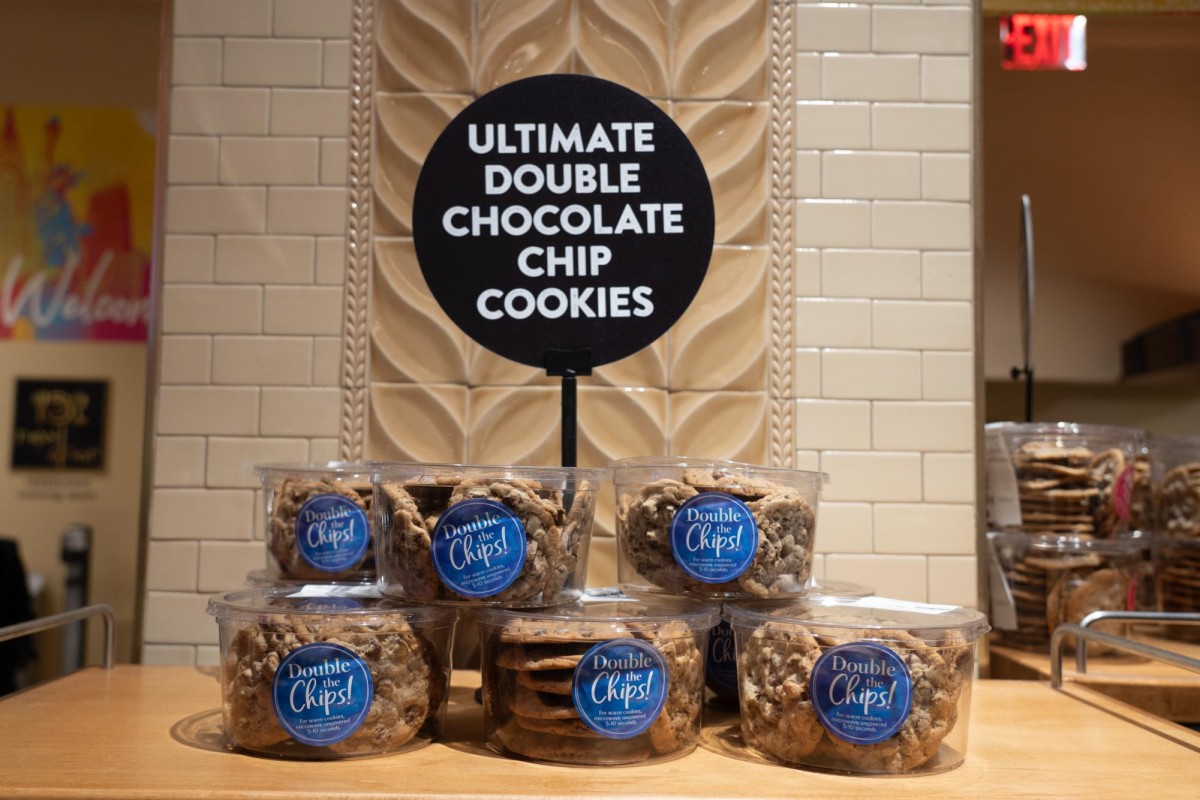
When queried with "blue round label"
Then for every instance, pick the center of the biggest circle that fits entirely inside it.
(322, 693)
(478, 547)
(619, 687)
(332, 532)
(862, 692)
(713, 537)
(721, 664)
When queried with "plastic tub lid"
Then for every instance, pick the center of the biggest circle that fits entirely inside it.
(881, 615)
(600, 608)
(313, 603)
(347, 468)
(265, 578)
(629, 468)
(1065, 543)
(1084, 429)
(400, 471)
(823, 588)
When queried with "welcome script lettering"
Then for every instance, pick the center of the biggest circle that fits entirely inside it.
(44, 300)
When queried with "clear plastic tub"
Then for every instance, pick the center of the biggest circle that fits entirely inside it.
(1061, 477)
(608, 680)
(868, 687)
(1176, 478)
(1177, 581)
(325, 672)
(715, 529)
(1040, 582)
(319, 521)
(720, 673)
(505, 536)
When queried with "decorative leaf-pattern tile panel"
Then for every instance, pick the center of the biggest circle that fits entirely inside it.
(729, 425)
(514, 425)
(489, 369)
(520, 38)
(424, 45)
(417, 423)
(721, 341)
(602, 561)
(412, 339)
(406, 126)
(721, 49)
(625, 41)
(619, 423)
(646, 367)
(732, 140)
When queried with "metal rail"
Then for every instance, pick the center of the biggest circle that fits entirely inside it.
(67, 617)
(1172, 617)
(1121, 643)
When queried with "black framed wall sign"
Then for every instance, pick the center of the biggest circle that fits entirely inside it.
(59, 424)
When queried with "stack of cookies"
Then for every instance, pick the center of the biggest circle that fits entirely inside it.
(320, 526)
(1065, 478)
(1178, 582)
(1058, 579)
(610, 680)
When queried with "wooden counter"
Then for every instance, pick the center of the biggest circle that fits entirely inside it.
(1160, 689)
(154, 732)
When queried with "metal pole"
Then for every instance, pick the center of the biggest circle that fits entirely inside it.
(569, 423)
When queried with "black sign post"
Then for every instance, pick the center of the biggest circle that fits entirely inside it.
(564, 222)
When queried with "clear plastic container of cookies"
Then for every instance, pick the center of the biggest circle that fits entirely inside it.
(328, 672)
(1061, 477)
(608, 680)
(720, 668)
(1176, 477)
(506, 536)
(319, 521)
(1177, 583)
(716, 529)
(871, 686)
(1039, 582)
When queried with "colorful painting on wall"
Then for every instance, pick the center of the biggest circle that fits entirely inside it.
(76, 217)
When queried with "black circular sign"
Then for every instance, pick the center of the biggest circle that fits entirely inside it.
(563, 213)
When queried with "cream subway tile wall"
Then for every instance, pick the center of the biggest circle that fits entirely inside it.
(180, 461)
(254, 263)
(887, 406)
(225, 564)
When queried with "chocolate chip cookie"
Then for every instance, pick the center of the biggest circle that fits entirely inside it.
(409, 682)
(555, 528)
(784, 529)
(286, 501)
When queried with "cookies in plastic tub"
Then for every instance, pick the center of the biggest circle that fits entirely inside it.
(1040, 582)
(714, 528)
(326, 672)
(1176, 481)
(319, 521)
(1061, 477)
(720, 672)
(870, 686)
(507, 536)
(608, 680)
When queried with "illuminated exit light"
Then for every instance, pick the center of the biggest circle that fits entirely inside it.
(1044, 41)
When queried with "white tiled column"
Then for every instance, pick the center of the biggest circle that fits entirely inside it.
(252, 295)
(884, 318)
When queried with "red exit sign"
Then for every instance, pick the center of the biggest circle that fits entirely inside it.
(1044, 41)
